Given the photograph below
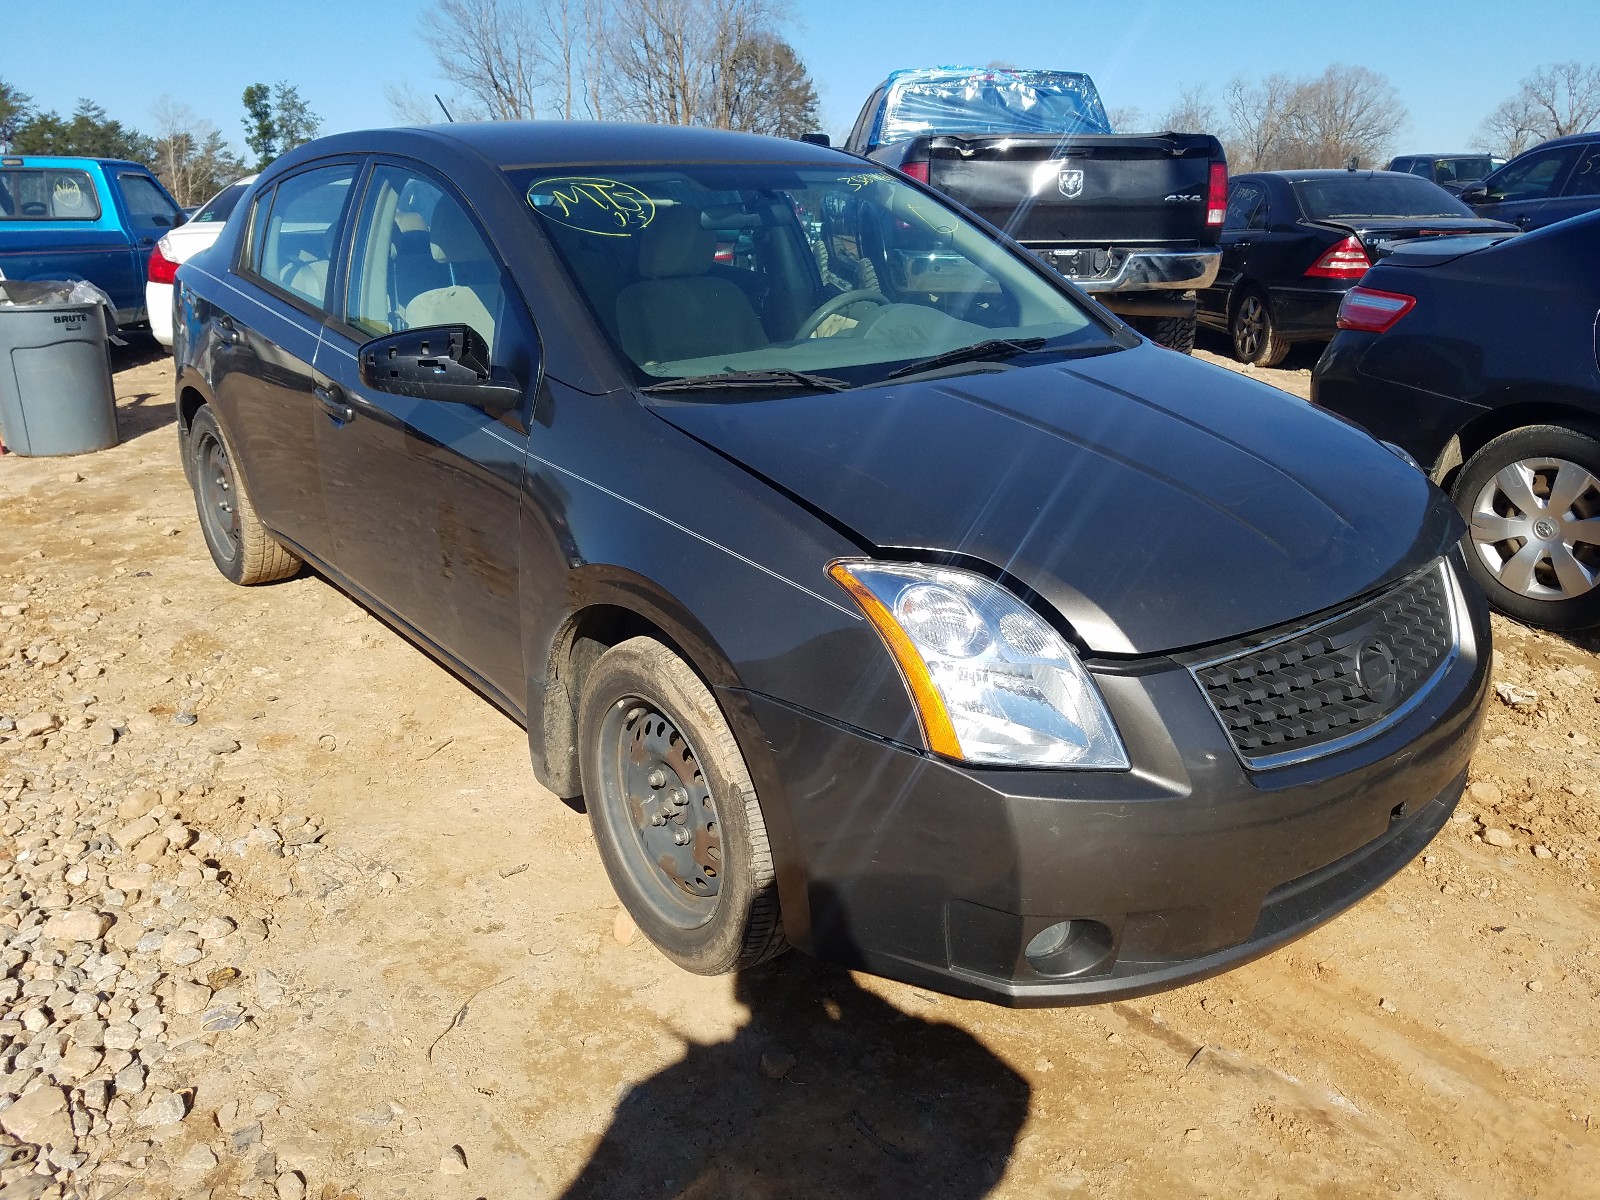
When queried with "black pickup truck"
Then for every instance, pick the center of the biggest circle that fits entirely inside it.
(1133, 219)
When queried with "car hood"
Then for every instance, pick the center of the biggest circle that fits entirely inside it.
(1157, 502)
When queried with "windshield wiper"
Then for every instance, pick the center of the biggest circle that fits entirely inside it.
(745, 379)
(994, 349)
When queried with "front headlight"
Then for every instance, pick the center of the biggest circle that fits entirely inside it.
(992, 683)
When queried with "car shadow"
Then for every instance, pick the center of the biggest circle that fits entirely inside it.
(828, 1090)
(1301, 356)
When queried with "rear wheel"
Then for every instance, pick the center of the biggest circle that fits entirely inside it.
(240, 546)
(1255, 336)
(1531, 499)
(674, 813)
(1175, 333)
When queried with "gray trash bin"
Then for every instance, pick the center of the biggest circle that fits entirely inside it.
(55, 377)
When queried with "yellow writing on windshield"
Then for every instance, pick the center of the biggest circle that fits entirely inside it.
(856, 182)
(606, 207)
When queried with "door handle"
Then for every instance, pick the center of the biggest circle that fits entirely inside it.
(333, 406)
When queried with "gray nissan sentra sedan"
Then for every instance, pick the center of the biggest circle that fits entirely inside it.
(879, 593)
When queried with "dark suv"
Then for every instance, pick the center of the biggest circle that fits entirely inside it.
(1452, 172)
(1553, 181)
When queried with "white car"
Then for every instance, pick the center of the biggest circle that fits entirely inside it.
(178, 246)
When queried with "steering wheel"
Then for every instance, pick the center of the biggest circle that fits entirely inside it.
(837, 304)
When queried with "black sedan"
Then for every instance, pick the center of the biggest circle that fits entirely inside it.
(1293, 242)
(1478, 356)
(1555, 180)
(945, 628)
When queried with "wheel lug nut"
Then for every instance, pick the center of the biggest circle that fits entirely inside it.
(657, 819)
(658, 778)
(678, 796)
(680, 836)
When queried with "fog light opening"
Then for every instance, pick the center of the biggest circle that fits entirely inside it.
(1069, 948)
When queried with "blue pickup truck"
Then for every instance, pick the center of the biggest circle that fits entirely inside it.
(83, 218)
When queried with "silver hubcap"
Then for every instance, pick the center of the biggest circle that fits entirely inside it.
(1250, 327)
(1536, 526)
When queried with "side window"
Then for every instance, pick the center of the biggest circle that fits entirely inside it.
(1534, 178)
(293, 247)
(1585, 179)
(419, 261)
(863, 127)
(148, 206)
(31, 194)
(1246, 208)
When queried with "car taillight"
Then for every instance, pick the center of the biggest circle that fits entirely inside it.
(1372, 311)
(162, 268)
(1217, 194)
(918, 170)
(1347, 260)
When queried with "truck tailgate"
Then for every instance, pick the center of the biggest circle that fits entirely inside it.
(1084, 190)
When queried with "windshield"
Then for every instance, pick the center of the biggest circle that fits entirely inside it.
(1336, 197)
(220, 206)
(708, 268)
(1464, 170)
(991, 102)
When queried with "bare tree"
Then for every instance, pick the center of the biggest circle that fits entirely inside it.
(1567, 95)
(1346, 114)
(1126, 118)
(411, 107)
(490, 49)
(1258, 121)
(1511, 128)
(1192, 113)
(670, 61)
(1554, 101)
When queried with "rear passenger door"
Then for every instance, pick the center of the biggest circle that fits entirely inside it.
(422, 496)
(1582, 191)
(1245, 221)
(265, 332)
(1520, 190)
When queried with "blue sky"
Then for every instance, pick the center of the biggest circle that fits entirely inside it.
(1452, 62)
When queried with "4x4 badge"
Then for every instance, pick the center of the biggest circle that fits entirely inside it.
(1071, 183)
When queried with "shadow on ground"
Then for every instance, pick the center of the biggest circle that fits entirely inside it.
(1302, 355)
(827, 1091)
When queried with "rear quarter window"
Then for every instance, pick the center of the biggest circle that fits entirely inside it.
(47, 194)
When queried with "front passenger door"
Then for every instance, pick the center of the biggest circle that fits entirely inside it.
(422, 495)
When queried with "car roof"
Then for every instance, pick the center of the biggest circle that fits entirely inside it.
(507, 144)
(67, 160)
(1308, 174)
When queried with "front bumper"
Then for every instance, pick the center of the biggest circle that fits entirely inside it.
(1119, 269)
(939, 875)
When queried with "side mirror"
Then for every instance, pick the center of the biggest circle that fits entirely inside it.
(816, 139)
(448, 363)
(1475, 194)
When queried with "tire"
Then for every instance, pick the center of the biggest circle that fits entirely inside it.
(652, 742)
(240, 546)
(1253, 333)
(1523, 497)
(1175, 333)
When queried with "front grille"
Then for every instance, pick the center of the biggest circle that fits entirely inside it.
(1339, 681)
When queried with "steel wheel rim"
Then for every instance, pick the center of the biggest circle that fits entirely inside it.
(662, 810)
(1536, 527)
(1250, 327)
(218, 491)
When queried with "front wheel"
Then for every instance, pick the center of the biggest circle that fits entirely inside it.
(1531, 500)
(674, 812)
(1255, 335)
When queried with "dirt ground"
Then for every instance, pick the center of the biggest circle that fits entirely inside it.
(370, 958)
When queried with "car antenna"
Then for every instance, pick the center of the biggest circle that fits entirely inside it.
(443, 109)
